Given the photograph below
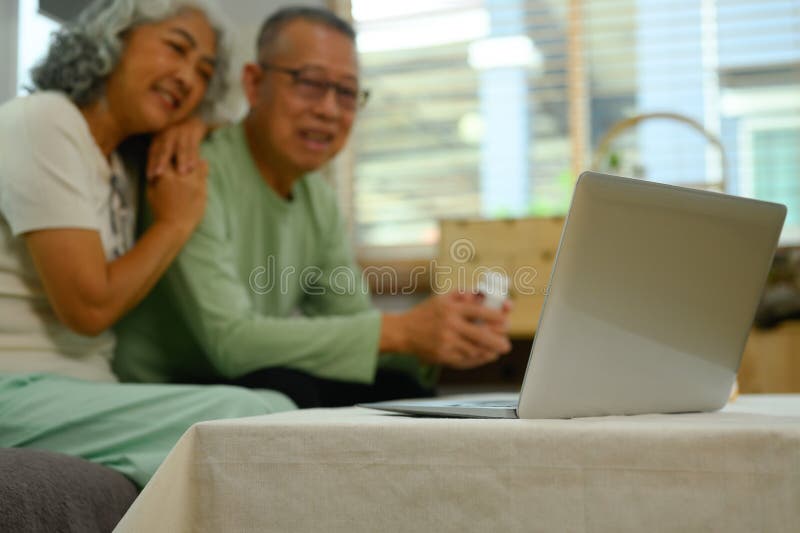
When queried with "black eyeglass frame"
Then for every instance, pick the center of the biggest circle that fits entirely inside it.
(361, 95)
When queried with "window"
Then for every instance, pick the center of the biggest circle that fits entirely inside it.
(33, 40)
(490, 108)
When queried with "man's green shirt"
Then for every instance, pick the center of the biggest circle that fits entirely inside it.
(263, 282)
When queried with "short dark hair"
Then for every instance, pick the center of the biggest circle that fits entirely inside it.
(272, 27)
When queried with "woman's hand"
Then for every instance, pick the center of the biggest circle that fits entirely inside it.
(179, 199)
(177, 146)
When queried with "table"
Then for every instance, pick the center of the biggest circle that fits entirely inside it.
(354, 469)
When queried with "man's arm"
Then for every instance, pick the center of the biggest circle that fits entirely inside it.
(454, 329)
(238, 340)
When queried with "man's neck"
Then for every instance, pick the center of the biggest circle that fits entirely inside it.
(281, 181)
(105, 130)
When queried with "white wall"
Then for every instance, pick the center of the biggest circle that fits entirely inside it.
(246, 17)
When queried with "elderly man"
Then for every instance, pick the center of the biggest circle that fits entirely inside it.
(259, 293)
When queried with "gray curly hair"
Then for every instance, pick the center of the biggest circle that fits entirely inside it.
(83, 54)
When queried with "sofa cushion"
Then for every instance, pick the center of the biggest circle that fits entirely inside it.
(46, 491)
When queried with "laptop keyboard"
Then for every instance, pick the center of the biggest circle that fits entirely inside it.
(488, 403)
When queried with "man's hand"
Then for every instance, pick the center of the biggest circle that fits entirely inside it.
(453, 329)
(179, 143)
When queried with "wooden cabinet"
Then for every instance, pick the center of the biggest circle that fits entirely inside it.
(524, 249)
(771, 361)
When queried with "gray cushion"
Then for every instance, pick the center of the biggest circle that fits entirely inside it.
(45, 491)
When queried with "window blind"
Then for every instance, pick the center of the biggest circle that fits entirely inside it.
(488, 108)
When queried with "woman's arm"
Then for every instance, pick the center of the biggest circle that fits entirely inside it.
(88, 293)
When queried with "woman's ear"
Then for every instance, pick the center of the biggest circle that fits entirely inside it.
(252, 75)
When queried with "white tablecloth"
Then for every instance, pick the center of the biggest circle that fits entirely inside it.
(360, 470)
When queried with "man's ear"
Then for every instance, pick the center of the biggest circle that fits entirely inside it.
(252, 75)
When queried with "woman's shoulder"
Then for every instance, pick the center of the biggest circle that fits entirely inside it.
(41, 109)
(40, 104)
(45, 117)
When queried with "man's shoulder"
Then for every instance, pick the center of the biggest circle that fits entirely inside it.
(225, 151)
(319, 193)
(321, 205)
(221, 143)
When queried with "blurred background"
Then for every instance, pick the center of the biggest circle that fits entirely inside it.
(490, 108)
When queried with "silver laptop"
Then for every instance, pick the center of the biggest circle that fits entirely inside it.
(652, 296)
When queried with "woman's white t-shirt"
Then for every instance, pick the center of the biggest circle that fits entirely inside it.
(53, 175)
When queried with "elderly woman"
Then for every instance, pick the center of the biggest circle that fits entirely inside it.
(68, 266)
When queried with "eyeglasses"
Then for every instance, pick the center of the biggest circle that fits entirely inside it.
(312, 84)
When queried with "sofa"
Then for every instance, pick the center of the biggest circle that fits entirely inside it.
(42, 491)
